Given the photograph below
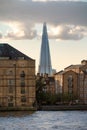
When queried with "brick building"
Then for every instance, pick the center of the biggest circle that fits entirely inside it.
(73, 80)
(83, 83)
(17, 78)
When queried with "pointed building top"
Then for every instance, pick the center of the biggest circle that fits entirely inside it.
(44, 23)
(45, 59)
(44, 28)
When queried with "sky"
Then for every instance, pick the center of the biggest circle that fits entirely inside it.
(21, 24)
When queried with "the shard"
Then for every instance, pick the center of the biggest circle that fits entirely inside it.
(45, 59)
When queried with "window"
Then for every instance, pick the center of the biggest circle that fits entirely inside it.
(22, 84)
(22, 79)
(70, 84)
(11, 82)
(11, 86)
(23, 90)
(10, 104)
(22, 74)
(70, 77)
(23, 99)
(10, 99)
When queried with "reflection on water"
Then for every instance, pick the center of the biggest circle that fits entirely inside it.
(44, 120)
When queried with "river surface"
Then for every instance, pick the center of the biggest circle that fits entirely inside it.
(44, 120)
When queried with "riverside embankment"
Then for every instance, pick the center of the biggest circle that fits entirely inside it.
(46, 108)
(62, 107)
(18, 109)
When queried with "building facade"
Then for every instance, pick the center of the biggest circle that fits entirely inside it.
(58, 82)
(70, 83)
(73, 80)
(17, 78)
(83, 84)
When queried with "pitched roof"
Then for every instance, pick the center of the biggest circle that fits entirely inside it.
(60, 72)
(69, 71)
(10, 52)
(73, 66)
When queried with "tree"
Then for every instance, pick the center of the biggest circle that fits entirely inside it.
(39, 89)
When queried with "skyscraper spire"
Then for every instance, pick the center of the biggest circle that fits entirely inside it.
(45, 60)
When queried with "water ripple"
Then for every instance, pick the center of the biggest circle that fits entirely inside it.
(45, 120)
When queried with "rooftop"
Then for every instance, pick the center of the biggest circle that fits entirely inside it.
(60, 72)
(73, 66)
(7, 51)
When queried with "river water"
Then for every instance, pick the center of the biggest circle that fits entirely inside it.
(44, 120)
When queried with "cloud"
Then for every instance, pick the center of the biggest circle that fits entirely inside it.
(28, 13)
(21, 35)
(68, 32)
(20, 31)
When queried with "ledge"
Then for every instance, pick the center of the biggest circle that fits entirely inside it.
(63, 108)
(18, 108)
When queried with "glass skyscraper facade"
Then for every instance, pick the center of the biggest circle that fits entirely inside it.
(45, 59)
